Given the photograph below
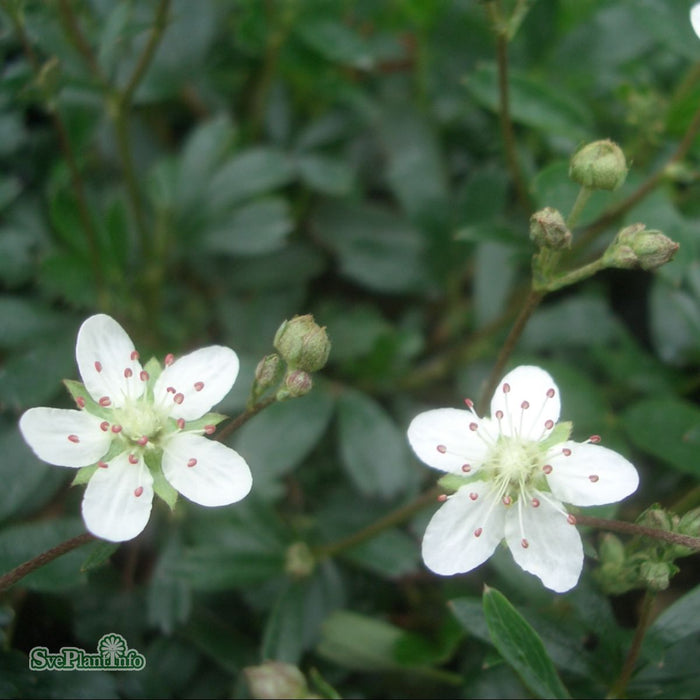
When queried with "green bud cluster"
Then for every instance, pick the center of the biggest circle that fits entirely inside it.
(302, 343)
(599, 165)
(549, 230)
(644, 562)
(635, 246)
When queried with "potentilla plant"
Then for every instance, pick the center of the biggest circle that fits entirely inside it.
(140, 430)
(511, 474)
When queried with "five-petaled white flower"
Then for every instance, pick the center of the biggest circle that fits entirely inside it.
(140, 430)
(511, 473)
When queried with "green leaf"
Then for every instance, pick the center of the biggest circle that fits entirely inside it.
(667, 428)
(335, 41)
(98, 554)
(253, 229)
(376, 248)
(372, 448)
(252, 172)
(677, 622)
(391, 554)
(277, 440)
(521, 647)
(325, 174)
(675, 323)
(169, 597)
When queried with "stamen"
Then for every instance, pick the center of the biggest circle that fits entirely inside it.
(441, 449)
(469, 403)
(169, 359)
(198, 386)
(104, 401)
(594, 478)
(571, 519)
(143, 440)
(181, 423)
(473, 426)
(102, 465)
(506, 388)
(478, 531)
(74, 438)
(566, 452)
(191, 462)
(179, 398)
(549, 424)
(547, 469)
(535, 502)
(133, 459)
(525, 405)
(80, 401)
(134, 355)
(507, 500)
(499, 414)
(473, 496)
(209, 429)
(116, 428)
(466, 468)
(171, 389)
(98, 366)
(550, 393)
(442, 497)
(524, 543)
(128, 372)
(594, 438)
(138, 491)
(104, 426)
(143, 375)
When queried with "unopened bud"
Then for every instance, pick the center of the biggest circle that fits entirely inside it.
(299, 562)
(275, 679)
(303, 343)
(690, 523)
(548, 229)
(268, 372)
(612, 550)
(635, 246)
(296, 383)
(657, 574)
(600, 165)
(655, 516)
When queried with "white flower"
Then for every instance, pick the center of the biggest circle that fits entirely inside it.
(511, 473)
(140, 430)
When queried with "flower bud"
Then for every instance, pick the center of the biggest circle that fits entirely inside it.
(296, 384)
(611, 550)
(548, 229)
(275, 679)
(657, 574)
(268, 372)
(690, 523)
(599, 165)
(635, 246)
(299, 562)
(303, 343)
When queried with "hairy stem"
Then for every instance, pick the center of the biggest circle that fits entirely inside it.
(634, 529)
(19, 572)
(620, 685)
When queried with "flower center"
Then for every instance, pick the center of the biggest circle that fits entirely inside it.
(139, 419)
(514, 464)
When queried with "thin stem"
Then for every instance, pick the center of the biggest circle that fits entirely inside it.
(19, 572)
(582, 198)
(239, 420)
(72, 29)
(620, 685)
(581, 273)
(634, 529)
(528, 308)
(390, 520)
(507, 132)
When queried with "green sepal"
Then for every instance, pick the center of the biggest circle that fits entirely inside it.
(78, 391)
(208, 419)
(100, 552)
(83, 475)
(154, 369)
(453, 482)
(161, 486)
(560, 433)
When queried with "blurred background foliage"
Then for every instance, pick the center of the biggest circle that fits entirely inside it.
(202, 171)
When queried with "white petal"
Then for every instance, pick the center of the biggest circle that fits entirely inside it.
(196, 382)
(450, 545)
(64, 437)
(584, 474)
(443, 439)
(529, 400)
(554, 551)
(118, 499)
(205, 471)
(108, 361)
